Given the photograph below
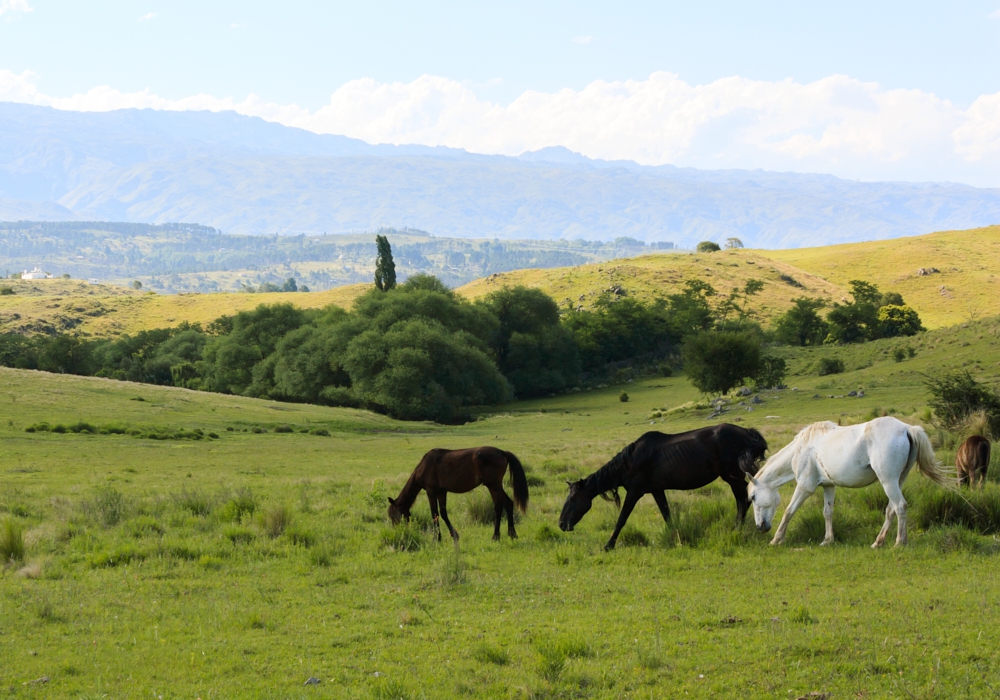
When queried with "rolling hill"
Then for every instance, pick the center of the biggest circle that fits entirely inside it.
(963, 287)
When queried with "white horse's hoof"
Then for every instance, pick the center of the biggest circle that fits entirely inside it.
(876, 544)
(775, 543)
(824, 543)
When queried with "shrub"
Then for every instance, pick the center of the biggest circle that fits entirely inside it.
(956, 395)
(771, 373)
(830, 365)
(276, 519)
(707, 247)
(322, 432)
(402, 538)
(284, 429)
(623, 397)
(11, 541)
(899, 354)
(83, 427)
(6, 291)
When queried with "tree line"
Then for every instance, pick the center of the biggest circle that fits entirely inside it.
(418, 351)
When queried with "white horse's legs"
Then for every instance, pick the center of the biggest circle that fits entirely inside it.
(896, 507)
(798, 498)
(828, 515)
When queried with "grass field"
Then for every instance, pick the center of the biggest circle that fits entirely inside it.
(964, 288)
(243, 565)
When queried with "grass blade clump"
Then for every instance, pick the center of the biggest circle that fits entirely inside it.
(479, 507)
(977, 510)
(491, 654)
(108, 506)
(240, 505)
(276, 519)
(11, 541)
(402, 538)
(194, 501)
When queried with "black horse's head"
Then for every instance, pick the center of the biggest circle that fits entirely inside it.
(578, 502)
(752, 456)
(576, 506)
(398, 513)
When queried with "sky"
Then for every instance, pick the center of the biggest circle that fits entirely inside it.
(864, 90)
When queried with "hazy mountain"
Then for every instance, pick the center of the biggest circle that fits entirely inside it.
(244, 175)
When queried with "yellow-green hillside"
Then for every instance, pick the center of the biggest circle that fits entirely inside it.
(965, 285)
(652, 276)
(50, 306)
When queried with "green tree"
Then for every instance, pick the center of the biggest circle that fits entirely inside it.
(385, 268)
(717, 361)
(289, 285)
(802, 325)
(895, 321)
(957, 395)
(536, 353)
(689, 311)
(734, 244)
(707, 247)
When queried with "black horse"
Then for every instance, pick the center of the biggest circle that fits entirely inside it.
(657, 461)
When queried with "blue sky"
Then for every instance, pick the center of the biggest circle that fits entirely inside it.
(294, 57)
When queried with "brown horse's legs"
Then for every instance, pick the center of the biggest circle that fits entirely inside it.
(509, 506)
(497, 514)
(432, 497)
(661, 501)
(963, 477)
(631, 498)
(443, 502)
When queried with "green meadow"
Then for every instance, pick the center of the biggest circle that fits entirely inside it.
(231, 547)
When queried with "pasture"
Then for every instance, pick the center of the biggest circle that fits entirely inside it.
(174, 564)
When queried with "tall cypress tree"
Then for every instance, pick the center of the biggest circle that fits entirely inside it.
(385, 268)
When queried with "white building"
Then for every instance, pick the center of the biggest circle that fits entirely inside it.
(35, 274)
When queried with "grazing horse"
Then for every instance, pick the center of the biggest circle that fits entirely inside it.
(972, 461)
(657, 461)
(825, 454)
(441, 472)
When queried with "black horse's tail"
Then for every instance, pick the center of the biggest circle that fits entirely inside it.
(519, 481)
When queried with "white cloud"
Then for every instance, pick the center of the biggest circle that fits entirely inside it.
(14, 6)
(836, 125)
(146, 17)
(995, 14)
(582, 39)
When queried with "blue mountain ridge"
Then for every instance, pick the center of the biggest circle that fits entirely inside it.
(246, 175)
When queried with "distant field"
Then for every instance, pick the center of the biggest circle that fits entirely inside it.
(140, 582)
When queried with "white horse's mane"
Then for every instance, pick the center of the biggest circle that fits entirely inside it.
(805, 435)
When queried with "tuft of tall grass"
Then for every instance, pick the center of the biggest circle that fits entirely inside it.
(194, 501)
(12, 547)
(977, 510)
(479, 507)
(276, 519)
(690, 522)
(108, 506)
(554, 652)
(453, 568)
(954, 538)
(300, 535)
(241, 504)
(631, 536)
(237, 534)
(402, 538)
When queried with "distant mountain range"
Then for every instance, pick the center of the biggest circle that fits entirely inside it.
(248, 176)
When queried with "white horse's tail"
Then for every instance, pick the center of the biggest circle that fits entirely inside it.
(926, 461)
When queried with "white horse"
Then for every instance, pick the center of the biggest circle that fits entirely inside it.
(825, 454)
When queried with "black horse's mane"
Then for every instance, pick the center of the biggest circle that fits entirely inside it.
(606, 480)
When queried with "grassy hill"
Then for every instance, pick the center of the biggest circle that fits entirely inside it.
(965, 287)
(146, 573)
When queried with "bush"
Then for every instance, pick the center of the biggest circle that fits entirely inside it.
(322, 432)
(623, 397)
(284, 429)
(11, 541)
(830, 365)
(956, 395)
(707, 247)
(771, 373)
(276, 519)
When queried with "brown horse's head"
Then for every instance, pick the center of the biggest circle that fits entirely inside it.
(578, 502)
(397, 513)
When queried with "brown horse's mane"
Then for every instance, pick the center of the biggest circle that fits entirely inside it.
(408, 494)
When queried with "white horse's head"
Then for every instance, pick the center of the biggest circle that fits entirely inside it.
(765, 501)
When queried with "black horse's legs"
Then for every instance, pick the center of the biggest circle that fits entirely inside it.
(434, 512)
(631, 498)
(739, 488)
(661, 501)
(443, 502)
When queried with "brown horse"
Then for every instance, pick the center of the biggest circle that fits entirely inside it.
(972, 460)
(441, 472)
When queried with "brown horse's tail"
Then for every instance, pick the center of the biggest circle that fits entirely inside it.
(519, 481)
(984, 454)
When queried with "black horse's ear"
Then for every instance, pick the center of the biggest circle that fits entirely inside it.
(392, 502)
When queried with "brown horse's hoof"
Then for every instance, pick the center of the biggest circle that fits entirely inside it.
(496, 538)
